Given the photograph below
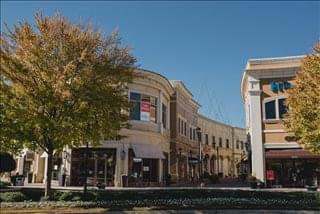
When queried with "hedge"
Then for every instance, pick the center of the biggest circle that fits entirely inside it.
(171, 198)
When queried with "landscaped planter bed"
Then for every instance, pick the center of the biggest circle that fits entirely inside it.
(177, 199)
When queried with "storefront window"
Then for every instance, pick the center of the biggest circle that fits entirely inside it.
(270, 109)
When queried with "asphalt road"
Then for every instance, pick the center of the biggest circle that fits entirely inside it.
(100, 211)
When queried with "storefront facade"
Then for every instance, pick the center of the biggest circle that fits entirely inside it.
(161, 141)
(223, 147)
(276, 157)
(184, 145)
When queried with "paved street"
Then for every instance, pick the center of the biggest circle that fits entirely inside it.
(100, 211)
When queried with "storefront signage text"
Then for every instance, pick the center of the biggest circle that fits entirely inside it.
(145, 111)
(280, 86)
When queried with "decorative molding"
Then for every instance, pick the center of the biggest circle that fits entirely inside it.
(274, 131)
(282, 145)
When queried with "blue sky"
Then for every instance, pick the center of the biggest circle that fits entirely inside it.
(204, 44)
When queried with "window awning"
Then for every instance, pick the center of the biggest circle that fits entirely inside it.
(147, 151)
(290, 154)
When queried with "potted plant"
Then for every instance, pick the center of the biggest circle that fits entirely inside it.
(253, 181)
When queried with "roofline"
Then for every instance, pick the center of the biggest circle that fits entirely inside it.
(275, 59)
(184, 86)
(153, 72)
(218, 122)
(257, 61)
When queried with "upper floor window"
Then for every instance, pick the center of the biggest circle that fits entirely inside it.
(237, 144)
(144, 107)
(274, 108)
(227, 143)
(270, 109)
(207, 139)
(190, 133)
(179, 125)
(220, 142)
(241, 144)
(282, 107)
(164, 116)
(194, 134)
(135, 100)
(185, 129)
(213, 141)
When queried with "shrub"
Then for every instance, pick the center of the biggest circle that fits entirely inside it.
(4, 184)
(77, 196)
(214, 179)
(12, 197)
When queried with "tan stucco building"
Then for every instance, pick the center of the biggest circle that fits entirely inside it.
(223, 147)
(276, 156)
(162, 140)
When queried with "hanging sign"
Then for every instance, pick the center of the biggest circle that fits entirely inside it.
(145, 111)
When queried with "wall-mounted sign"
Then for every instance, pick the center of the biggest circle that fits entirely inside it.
(291, 138)
(193, 161)
(280, 86)
(137, 160)
(145, 111)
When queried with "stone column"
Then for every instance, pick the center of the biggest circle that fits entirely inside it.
(258, 160)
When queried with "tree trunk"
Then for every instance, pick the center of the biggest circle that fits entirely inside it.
(49, 174)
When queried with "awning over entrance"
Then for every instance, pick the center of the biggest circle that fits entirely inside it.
(147, 151)
(290, 154)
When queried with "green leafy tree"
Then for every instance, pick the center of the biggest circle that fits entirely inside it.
(304, 103)
(62, 84)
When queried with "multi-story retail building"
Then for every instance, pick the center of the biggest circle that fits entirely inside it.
(162, 140)
(276, 157)
(223, 147)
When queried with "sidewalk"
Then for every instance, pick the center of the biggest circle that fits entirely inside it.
(40, 186)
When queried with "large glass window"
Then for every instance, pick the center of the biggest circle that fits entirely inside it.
(153, 109)
(143, 107)
(282, 107)
(270, 109)
(135, 108)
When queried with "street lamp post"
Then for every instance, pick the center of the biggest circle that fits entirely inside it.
(85, 169)
(198, 130)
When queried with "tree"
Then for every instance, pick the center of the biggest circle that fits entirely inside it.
(8, 164)
(304, 103)
(62, 84)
